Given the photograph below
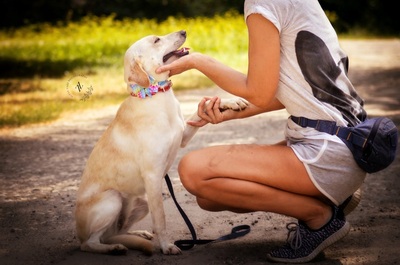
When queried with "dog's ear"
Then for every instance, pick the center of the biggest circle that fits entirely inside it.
(134, 73)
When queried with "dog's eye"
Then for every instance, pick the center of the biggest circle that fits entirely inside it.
(157, 40)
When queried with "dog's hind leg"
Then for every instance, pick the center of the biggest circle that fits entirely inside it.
(93, 244)
(96, 217)
(134, 211)
(132, 242)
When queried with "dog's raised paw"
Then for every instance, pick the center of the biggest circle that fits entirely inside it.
(234, 104)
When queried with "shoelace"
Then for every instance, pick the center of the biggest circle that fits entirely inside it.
(294, 237)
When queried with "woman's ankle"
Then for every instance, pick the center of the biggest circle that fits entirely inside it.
(321, 218)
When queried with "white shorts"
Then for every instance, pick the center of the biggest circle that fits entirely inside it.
(330, 165)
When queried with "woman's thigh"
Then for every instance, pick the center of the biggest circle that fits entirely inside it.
(274, 166)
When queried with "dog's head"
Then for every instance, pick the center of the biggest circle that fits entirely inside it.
(147, 54)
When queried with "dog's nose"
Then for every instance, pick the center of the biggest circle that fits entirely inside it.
(183, 33)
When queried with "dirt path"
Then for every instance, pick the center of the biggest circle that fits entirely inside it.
(40, 168)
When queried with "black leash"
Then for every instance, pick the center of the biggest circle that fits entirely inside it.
(236, 232)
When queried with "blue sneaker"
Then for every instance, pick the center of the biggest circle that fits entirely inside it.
(304, 244)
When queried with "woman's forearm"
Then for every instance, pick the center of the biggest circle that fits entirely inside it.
(227, 78)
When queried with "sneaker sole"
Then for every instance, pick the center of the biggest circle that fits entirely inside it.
(353, 203)
(342, 232)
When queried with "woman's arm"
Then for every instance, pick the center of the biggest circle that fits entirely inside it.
(260, 85)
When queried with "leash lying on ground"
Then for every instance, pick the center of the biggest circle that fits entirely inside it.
(237, 231)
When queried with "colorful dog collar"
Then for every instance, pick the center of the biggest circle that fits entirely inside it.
(154, 88)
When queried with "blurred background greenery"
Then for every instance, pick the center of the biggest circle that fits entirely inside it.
(43, 44)
(377, 16)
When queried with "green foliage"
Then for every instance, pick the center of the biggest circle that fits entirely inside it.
(371, 16)
(39, 11)
(47, 50)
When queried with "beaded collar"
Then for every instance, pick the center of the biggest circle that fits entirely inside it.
(154, 88)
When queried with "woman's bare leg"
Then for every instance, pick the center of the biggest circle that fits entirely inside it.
(244, 178)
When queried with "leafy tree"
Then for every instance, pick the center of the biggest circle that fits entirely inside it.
(376, 16)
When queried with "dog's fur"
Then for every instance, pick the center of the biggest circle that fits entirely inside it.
(132, 157)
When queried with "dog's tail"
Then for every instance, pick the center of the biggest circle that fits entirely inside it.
(132, 242)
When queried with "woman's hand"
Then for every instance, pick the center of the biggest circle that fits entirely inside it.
(180, 65)
(209, 112)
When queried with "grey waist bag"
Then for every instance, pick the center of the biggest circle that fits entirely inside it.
(373, 142)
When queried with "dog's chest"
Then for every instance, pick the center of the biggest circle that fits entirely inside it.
(149, 123)
(163, 110)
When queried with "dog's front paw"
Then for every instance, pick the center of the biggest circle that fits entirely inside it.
(171, 249)
(234, 104)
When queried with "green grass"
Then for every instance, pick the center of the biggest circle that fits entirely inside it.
(37, 61)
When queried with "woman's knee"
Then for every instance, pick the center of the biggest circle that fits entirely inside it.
(189, 170)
